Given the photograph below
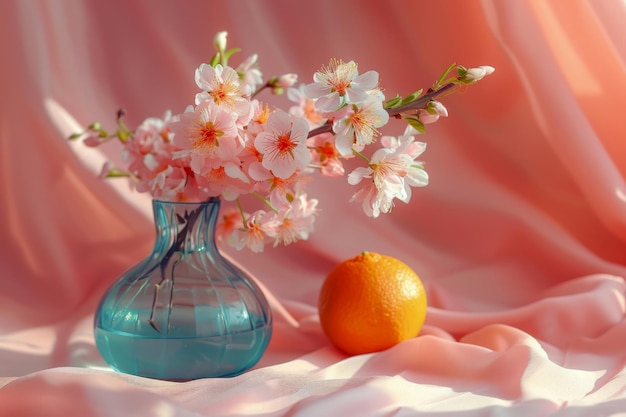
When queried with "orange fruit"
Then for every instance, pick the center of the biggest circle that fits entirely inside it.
(370, 303)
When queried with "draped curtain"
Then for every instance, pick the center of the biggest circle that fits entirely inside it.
(519, 237)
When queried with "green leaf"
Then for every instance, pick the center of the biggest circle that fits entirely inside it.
(412, 97)
(416, 124)
(393, 102)
(117, 174)
(74, 136)
(445, 74)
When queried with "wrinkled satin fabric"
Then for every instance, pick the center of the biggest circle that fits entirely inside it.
(519, 238)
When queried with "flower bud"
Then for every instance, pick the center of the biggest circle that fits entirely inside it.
(432, 112)
(220, 40)
(107, 169)
(476, 74)
(93, 138)
(286, 80)
(436, 107)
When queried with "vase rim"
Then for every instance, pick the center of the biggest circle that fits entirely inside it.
(211, 200)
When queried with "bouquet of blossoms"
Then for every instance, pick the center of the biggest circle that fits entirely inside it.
(229, 144)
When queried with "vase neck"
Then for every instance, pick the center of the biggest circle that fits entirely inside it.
(185, 227)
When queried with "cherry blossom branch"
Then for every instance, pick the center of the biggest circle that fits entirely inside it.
(395, 112)
(422, 101)
(325, 128)
(207, 140)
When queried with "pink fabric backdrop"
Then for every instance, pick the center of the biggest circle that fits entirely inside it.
(520, 237)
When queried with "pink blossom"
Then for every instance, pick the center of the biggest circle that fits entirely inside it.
(294, 222)
(373, 200)
(259, 115)
(151, 148)
(251, 76)
(229, 221)
(357, 126)
(340, 84)
(221, 85)
(282, 192)
(149, 153)
(393, 171)
(208, 135)
(305, 107)
(282, 144)
(227, 181)
(253, 235)
(168, 184)
(325, 155)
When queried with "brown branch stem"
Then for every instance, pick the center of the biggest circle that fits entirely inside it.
(422, 101)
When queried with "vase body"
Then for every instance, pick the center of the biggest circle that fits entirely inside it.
(185, 311)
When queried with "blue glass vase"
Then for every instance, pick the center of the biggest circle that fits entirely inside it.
(185, 311)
